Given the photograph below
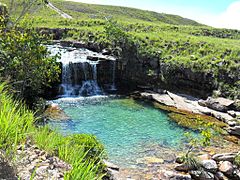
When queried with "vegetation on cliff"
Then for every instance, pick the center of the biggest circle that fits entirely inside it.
(25, 62)
(177, 43)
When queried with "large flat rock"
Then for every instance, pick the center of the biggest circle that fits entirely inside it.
(188, 103)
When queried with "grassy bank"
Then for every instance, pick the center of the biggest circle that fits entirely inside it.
(169, 39)
(83, 152)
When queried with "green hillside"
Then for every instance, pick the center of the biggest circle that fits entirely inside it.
(87, 11)
(169, 39)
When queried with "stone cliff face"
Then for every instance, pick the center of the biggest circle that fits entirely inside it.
(134, 70)
(143, 71)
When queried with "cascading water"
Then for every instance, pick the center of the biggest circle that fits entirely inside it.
(91, 87)
(79, 74)
(113, 86)
(67, 87)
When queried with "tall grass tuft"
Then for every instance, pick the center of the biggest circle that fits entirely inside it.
(83, 152)
(16, 121)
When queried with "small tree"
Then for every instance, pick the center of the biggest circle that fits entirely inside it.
(25, 62)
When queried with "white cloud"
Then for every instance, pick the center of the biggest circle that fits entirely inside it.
(230, 18)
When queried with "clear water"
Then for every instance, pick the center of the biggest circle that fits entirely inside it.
(129, 129)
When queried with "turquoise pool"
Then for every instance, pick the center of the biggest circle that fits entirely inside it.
(129, 129)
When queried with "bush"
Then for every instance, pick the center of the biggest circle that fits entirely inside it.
(25, 62)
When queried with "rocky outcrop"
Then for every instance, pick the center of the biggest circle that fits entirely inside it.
(218, 104)
(136, 69)
(32, 163)
(185, 103)
(219, 166)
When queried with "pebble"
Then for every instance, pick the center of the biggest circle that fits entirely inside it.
(30, 159)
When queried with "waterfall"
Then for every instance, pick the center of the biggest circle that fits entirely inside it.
(91, 87)
(80, 79)
(80, 75)
(113, 86)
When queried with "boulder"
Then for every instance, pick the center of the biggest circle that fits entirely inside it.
(236, 174)
(236, 105)
(219, 104)
(111, 165)
(232, 123)
(220, 176)
(195, 174)
(176, 176)
(54, 112)
(66, 43)
(206, 176)
(154, 160)
(79, 44)
(232, 113)
(112, 174)
(209, 165)
(93, 58)
(226, 168)
(184, 167)
(234, 130)
(201, 102)
(224, 157)
(106, 52)
(201, 175)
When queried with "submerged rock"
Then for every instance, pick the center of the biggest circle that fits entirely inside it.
(154, 160)
(176, 176)
(54, 112)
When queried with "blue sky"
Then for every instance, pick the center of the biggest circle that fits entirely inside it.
(216, 13)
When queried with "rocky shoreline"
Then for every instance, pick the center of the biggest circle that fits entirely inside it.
(33, 163)
(217, 166)
(222, 109)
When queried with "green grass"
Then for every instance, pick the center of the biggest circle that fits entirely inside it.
(83, 152)
(176, 41)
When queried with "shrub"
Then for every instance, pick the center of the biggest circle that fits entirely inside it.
(25, 62)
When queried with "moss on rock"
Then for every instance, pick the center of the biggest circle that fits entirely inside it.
(191, 120)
